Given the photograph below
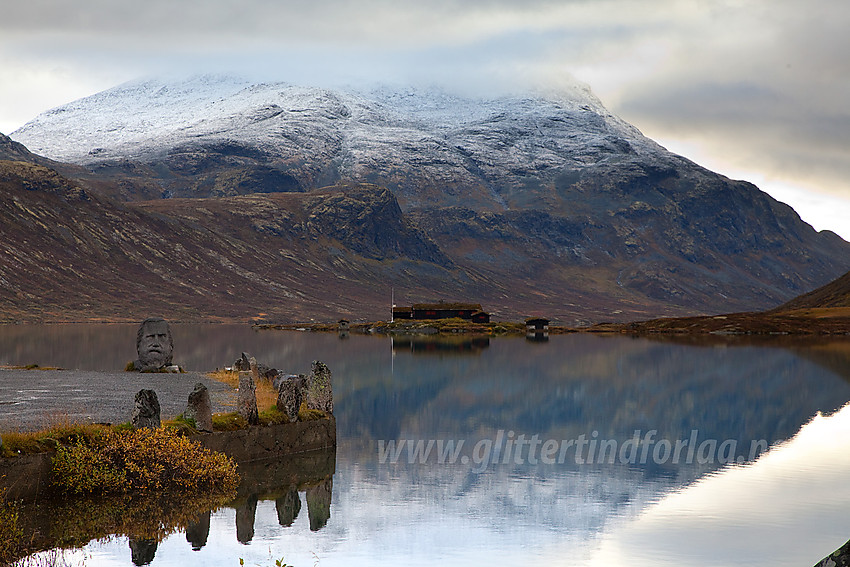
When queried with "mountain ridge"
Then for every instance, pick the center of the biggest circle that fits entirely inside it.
(547, 206)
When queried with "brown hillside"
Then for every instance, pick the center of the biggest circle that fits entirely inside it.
(833, 295)
(70, 254)
(72, 248)
(824, 311)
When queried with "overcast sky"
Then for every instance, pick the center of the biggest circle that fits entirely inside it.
(757, 90)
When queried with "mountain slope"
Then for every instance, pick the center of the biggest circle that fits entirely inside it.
(834, 295)
(824, 311)
(67, 253)
(553, 205)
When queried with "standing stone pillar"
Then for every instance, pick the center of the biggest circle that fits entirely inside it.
(146, 410)
(254, 368)
(199, 408)
(247, 400)
(319, 392)
(242, 363)
(289, 399)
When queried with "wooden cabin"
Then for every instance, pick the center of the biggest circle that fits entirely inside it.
(420, 311)
(537, 325)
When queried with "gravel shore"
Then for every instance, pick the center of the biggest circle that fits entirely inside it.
(32, 399)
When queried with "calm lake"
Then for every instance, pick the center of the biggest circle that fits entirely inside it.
(581, 450)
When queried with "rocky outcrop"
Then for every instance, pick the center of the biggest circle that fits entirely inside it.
(368, 219)
(839, 558)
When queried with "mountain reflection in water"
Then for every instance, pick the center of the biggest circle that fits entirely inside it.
(439, 345)
(420, 513)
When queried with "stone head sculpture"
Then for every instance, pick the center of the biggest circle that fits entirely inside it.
(154, 344)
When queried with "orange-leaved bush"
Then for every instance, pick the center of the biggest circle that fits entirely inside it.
(143, 459)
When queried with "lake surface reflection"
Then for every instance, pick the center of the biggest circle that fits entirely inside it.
(506, 490)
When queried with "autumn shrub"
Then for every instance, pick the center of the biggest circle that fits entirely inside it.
(143, 459)
(10, 528)
(84, 469)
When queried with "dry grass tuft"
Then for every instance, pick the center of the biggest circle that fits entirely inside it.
(306, 414)
(228, 422)
(266, 394)
(49, 439)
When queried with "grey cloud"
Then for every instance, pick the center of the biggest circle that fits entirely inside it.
(767, 80)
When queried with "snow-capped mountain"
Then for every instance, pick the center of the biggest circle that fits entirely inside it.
(406, 139)
(541, 203)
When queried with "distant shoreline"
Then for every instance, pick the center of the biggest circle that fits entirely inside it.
(834, 321)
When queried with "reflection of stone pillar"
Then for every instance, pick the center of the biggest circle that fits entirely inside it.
(288, 507)
(319, 504)
(245, 515)
(198, 532)
(246, 402)
(142, 551)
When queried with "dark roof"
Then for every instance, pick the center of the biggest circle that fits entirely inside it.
(453, 306)
(536, 320)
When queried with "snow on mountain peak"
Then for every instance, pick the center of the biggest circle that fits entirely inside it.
(145, 118)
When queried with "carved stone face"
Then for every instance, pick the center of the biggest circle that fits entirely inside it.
(154, 344)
